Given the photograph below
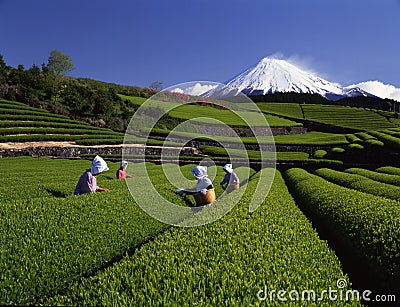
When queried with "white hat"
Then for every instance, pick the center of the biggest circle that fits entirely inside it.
(228, 168)
(199, 172)
(98, 166)
(123, 163)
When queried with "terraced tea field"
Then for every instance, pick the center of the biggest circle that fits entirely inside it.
(21, 123)
(335, 116)
(328, 223)
(102, 249)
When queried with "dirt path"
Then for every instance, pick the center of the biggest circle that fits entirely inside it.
(24, 145)
(6, 146)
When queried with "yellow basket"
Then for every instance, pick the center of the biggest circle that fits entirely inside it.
(208, 198)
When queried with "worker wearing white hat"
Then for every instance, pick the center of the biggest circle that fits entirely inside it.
(231, 180)
(87, 182)
(203, 192)
(121, 172)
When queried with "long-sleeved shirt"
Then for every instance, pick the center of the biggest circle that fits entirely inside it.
(87, 183)
(203, 184)
(230, 178)
(121, 174)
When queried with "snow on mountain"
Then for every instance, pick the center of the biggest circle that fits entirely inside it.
(355, 91)
(378, 89)
(274, 75)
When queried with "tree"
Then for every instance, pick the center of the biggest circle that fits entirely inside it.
(3, 77)
(59, 64)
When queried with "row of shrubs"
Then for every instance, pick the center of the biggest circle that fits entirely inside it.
(11, 111)
(70, 131)
(225, 263)
(367, 225)
(79, 139)
(43, 117)
(362, 140)
(354, 180)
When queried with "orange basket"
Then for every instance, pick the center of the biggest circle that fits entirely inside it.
(202, 200)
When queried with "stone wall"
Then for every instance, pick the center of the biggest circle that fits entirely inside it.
(76, 151)
(221, 130)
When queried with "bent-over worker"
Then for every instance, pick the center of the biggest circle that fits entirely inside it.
(231, 180)
(203, 192)
(87, 182)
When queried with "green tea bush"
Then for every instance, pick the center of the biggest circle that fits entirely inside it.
(387, 139)
(224, 263)
(374, 143)
(356, 146)
(34, 112)
(42, 124)
(368, 225)
(352, 138)
(347, 117)
(50, 238)
(66, 131)
(389, 170)
(385, 178)
(320, 154)
(45, 118)
(358, 182)
(364, 136)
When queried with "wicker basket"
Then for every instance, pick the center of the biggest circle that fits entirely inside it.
(232, 187)
(208, 198)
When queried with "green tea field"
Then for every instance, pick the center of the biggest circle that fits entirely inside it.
(61, 249)
(331, 220)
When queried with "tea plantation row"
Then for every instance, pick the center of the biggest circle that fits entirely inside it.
(368, 225)
(226, 263)
(50, 238)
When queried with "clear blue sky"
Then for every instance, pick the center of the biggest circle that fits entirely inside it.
(136, 42)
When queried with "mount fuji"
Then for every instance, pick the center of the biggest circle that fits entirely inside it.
(272, 75)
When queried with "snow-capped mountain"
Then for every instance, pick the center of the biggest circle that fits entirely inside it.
(355, 91)
(272, 75)
(378, 89)
(275, 75)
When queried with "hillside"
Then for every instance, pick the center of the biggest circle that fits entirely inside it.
(21, 123)
(93, 101)
(361, 119)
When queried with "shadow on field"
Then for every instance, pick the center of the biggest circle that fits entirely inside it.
(56, 193)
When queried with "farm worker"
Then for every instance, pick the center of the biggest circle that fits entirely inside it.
(121, 172)
(231, 180)
(203, 192)
(87, 182)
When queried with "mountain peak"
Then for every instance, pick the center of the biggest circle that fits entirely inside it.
(272, 75)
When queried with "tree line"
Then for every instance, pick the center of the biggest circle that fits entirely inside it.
(49, 87)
